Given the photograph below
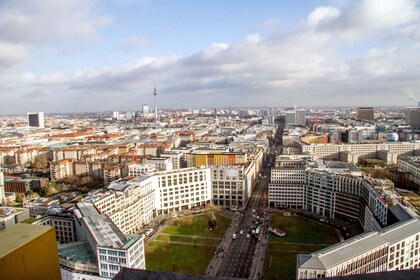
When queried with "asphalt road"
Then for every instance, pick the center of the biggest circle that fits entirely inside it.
(242, 255)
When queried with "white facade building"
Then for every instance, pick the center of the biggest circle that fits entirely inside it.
(129, 204)
(162, 164)
(232, 185)
(332, 189)
(396, 247)
(136, 170)
(111, 248)
(36, 120)
(177, 158)
(332, 151)
(183, 189)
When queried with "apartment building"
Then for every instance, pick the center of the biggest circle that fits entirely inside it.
(232, 185)
(396, 247)
(410, 165)
(61, 169)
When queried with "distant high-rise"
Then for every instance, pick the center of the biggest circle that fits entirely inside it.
(412, 116)
(36, 119)
(155, 94)
(365, 113)
(295, 117)
(145, 110)
(300, 117)
(2, 194)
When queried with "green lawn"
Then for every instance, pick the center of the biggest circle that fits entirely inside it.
(280, 259)
(186, 258)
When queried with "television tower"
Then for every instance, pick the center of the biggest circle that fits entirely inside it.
(155, 94)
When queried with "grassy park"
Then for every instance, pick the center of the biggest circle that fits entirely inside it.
(303, 236)
(186, 245)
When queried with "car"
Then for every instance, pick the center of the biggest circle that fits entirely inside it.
(234, 236)
(241, 232)
(248, 236)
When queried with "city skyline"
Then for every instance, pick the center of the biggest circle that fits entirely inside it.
(60, 56)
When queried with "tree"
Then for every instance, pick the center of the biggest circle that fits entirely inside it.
(19, 198)
(212, 223)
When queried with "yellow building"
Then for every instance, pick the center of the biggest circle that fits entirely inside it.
(29, 252)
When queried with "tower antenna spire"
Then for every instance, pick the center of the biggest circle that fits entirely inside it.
(155, 96)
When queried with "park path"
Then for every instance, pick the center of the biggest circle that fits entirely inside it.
(184, 243)
(297, 243)
(190, 236)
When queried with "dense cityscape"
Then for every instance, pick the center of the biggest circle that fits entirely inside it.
(171, 140)
(112, 185)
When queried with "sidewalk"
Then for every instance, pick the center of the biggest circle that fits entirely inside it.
(257, 266)
(215, 263)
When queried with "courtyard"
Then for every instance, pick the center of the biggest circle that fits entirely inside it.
(186, 245)
(303, 236)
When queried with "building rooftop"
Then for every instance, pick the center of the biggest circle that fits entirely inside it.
(355, 246)
(77, 252)
(137, 274)
(103, 230)
(19, 235)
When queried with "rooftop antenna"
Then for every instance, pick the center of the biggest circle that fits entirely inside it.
(155, 96)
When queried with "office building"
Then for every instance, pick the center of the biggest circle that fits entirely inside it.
(232, 185)
(332, 189)
(183, 189)
(295, 117)
(352, 152)
(129, 204)
(102, 248)
(137, 170)
(162, 163)
(287, 185)
(10, 216)
(396, 247)
(365, 114)
(177, 157)
(410, 165)
(412, 116)
(36, 120)
(29, 252)
(206, 158)
(145, 110)
(63, 223)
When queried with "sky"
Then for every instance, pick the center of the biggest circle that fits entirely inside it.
(60, 56)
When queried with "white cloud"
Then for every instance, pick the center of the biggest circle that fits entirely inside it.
(304, 66)
(11, 54)
(323, 15)
(271, 22)
(134, 42)
(33, 23)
